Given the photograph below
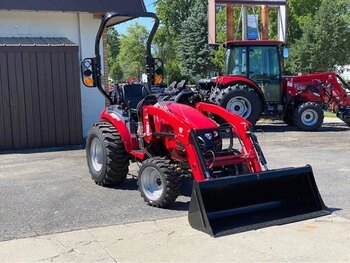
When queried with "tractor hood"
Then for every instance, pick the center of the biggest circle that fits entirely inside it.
(192, 116)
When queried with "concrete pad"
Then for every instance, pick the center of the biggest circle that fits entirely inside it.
(332, 120)
(173, 240)
(78, 246)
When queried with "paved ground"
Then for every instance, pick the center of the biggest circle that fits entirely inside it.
(45, 193)
(326, 239)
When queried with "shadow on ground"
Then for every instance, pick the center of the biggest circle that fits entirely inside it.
(45, 150)
(280, 127)
(186, 190)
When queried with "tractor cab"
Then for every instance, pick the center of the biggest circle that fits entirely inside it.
(252, 86)
(258, 61)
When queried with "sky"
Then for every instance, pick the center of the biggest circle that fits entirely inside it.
(143, 21)
(149, 5)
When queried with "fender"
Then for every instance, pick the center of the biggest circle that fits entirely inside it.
(121, 127)
(227, 80)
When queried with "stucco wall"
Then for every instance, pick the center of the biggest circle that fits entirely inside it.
(79, 28)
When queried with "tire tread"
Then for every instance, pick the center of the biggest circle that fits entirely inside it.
(301, 107)
(172, 182)
(255, 115)
(117, 159)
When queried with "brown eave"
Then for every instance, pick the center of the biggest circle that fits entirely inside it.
(90, 6)
(35, 41)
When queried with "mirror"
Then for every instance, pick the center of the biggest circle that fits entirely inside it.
(285, 52)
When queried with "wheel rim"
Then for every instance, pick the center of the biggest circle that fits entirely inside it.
(151, 183)
(240, 106)
(309, 117)
(96, 154)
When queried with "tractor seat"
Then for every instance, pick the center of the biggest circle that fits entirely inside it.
(134, 93)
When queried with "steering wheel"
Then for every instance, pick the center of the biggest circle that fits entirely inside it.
(148, 100)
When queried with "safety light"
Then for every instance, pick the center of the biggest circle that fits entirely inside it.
(88, 72)
(89, 82)
(158, 80)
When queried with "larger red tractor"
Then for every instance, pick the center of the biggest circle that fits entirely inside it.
(253, 87)
(172, 135)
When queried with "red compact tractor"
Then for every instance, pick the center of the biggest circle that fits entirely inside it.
(253, 87)
(172, 135)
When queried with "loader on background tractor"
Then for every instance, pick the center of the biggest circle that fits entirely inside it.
(253, 87)
(173, 135)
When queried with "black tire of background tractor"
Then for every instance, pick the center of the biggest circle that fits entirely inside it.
(214, 95)
(115, 160)
(241, 90)
(288, 119)
(163, 174)
(308, 116)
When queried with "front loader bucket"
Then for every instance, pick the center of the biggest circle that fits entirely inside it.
(235, 204)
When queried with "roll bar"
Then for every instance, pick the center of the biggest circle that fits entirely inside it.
(93, 65)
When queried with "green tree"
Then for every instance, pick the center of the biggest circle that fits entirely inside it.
(194, 52)
(116, 72)
(113, 41)
(300, 12)
(132, 55)
(218, 55)
(171, 13)
(166, 49)
(325, 40)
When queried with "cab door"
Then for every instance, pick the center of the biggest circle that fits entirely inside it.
(265, 70)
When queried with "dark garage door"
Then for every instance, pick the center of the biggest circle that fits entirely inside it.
(40, 103)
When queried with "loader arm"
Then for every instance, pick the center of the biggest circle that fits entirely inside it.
(243, 128)
(326, 88)
(340, 96)
(338, 92)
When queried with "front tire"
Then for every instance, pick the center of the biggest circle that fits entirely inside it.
(158, 184)
(107, 158)
(241, 100)
(308, 116)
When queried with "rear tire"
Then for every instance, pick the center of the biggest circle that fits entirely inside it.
(214, 95)
(308, 116)
(241, 100)
(158, 184)
(107, 158)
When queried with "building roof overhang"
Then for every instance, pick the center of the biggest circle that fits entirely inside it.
(90, 6)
